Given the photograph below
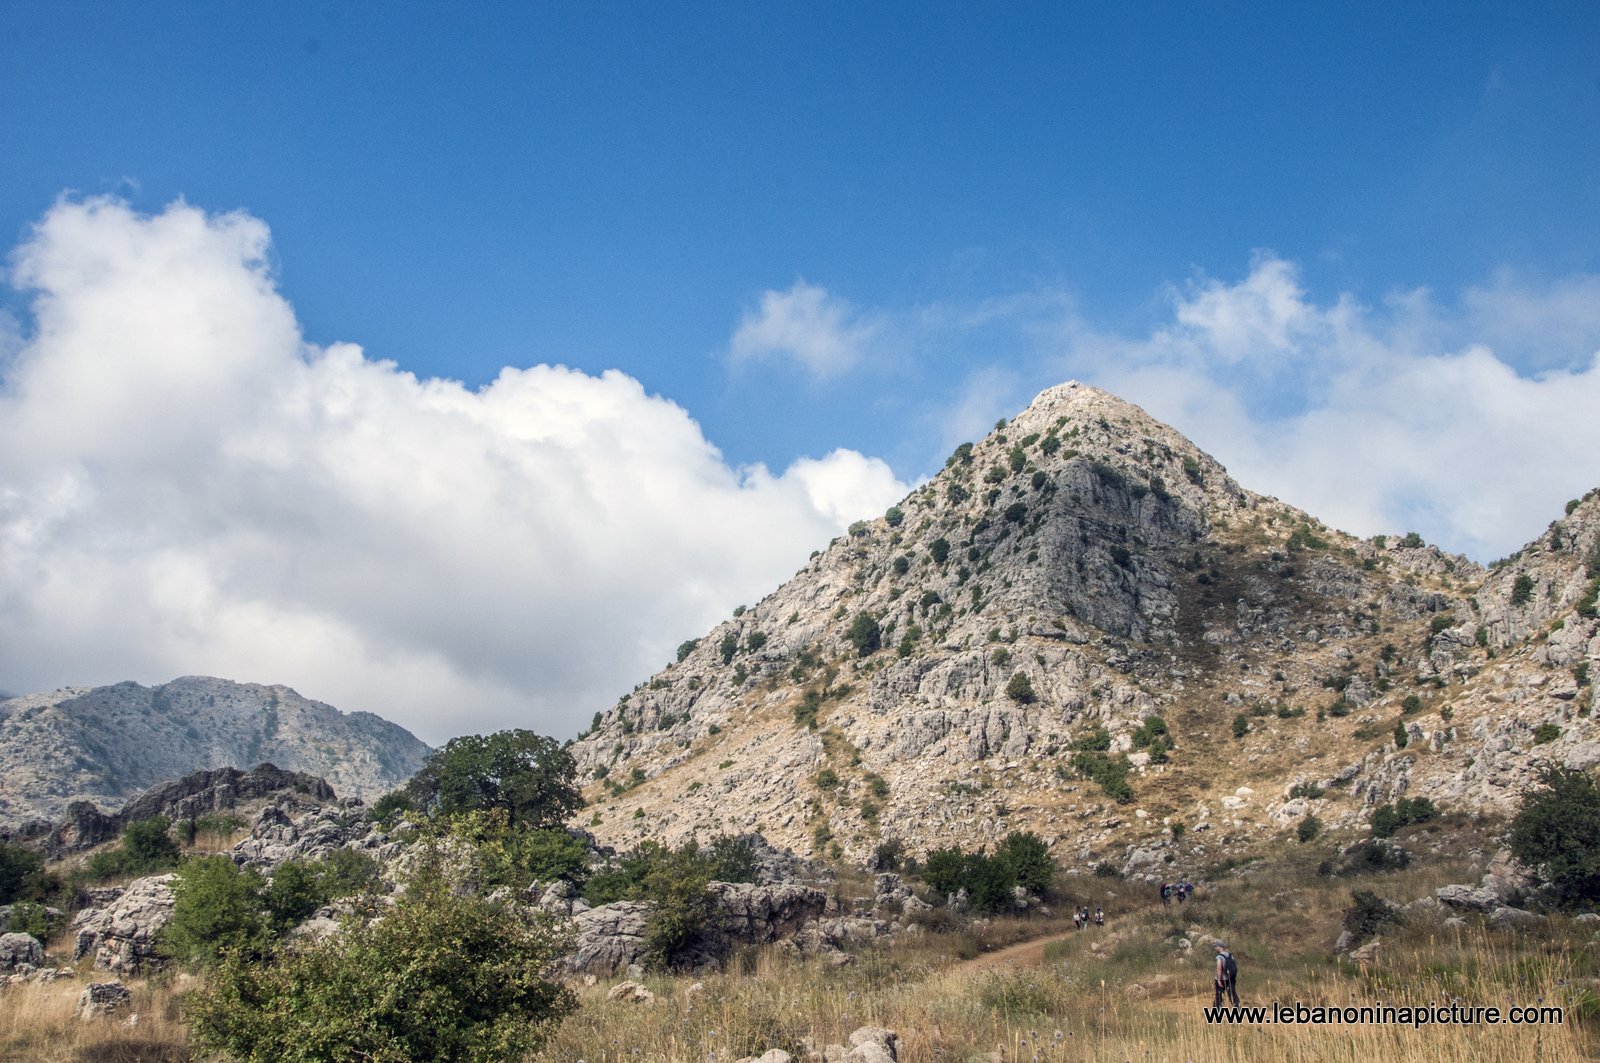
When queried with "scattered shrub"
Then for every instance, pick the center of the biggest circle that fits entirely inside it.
(1557, 832)
(1522, 590)
(1309, 828)
(1546, 732)
(1368, 913)
(1020, 689)
(865, 634)
(439, 976)
(1388, 818)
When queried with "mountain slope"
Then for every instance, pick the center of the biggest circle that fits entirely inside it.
(1121, 574)
(108, 743)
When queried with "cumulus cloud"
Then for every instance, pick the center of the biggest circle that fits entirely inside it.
(1376, 419)
(188, 486)
(807, 324)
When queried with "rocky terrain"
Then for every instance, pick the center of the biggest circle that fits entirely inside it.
(935, 675)
(106, 744)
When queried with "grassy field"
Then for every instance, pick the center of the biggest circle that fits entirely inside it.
(1129, 991)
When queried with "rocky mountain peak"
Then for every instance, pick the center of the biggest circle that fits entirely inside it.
(1082, 626)
(105, 744)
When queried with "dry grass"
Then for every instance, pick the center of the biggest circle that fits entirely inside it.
(1078, 1004)
(39, 1024)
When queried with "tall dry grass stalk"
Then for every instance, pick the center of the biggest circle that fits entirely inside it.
(39, 1024)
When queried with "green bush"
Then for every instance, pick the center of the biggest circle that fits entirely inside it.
(1020, 689)
(218, 907)
(1402, 737)
(438, 977)
(20, 869)
(827, 779)
(939, 549)
(1370, 857)
(1368, 913)
(1522, 590)
(686, 647)
(146, 847)
(1110, 773)
(1557, 832)
(1411, 704)
(1546, 732)
(1386, 819)
(865, 634)
(1241, 725)
(1306, 789)
(894, 515)
(1309, 828)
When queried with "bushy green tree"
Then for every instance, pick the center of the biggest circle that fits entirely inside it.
(20, 868)
(146, 847)
(1020, 689)
(527, 775)
(1028, 858)
(865, 634)
(437, 977)
(1557, 832)
(217, 908)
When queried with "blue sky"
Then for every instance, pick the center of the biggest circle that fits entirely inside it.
(868, 227)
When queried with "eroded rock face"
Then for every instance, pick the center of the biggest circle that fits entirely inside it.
(122, 937)
(610, 937)
(757, 914)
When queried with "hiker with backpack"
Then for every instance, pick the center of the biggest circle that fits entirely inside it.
(1166, 894)
(1227, 977)
(1099, 916)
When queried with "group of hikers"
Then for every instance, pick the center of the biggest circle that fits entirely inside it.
(1081, 917)
(1225, 982)
(1180, 890)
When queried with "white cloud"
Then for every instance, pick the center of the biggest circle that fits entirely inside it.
(1370, 418)
(820, 331)
(187, 486)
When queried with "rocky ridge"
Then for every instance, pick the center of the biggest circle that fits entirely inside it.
(106, 744)
(926, 678)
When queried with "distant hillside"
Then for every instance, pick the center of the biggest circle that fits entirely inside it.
(1084, 627)
(107, 744)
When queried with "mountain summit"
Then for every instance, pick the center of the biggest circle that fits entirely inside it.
(108, 743)
(1084, 627)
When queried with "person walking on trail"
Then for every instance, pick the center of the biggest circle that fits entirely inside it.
(1166, 893)
(1227, 977)
(1099, 916)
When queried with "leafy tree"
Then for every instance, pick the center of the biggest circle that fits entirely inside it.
(1028, 858)
(939, 549)
(217, 908)
(894, 515)
(865, 634)
(19, 869)
(438, 977)
(146, 846)
(347, 872)
(296, 890)
(686, 647)
(527, 775)
(1557, 832)
(1020, 689)
(1522, 590)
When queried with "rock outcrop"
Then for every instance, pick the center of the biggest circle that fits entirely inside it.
(122, 937)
